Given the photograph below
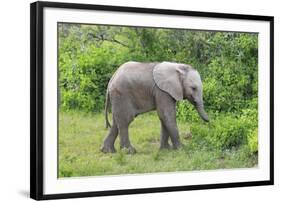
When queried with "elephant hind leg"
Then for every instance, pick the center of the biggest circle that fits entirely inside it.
(123, 113)
(108, 144)
(123, 120)
(125, 141)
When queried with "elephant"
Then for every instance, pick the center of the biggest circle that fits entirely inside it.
(136, 88)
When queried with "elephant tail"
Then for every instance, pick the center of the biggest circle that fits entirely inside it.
(107, 102)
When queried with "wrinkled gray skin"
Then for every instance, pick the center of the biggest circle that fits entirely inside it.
(136, 88)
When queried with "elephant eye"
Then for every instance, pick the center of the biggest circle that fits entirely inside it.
(193, 88)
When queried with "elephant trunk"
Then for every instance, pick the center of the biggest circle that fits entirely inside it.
(201, 112)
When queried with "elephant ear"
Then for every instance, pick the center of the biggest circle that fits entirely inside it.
(167, 77)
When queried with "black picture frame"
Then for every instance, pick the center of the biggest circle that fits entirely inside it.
(37, 101)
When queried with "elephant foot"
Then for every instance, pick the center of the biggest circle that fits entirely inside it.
(108, 149)
(129, 150)
(177, 146)
(165, 147)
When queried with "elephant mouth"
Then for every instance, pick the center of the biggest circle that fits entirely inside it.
(192, 100)
(199, 107)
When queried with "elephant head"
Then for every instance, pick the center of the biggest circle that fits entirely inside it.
(181, 81)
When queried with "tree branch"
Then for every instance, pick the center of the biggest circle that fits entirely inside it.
(101, 38)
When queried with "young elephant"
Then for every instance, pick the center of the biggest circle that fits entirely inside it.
(136, 88)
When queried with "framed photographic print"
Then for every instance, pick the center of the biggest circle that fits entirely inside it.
(131, 100)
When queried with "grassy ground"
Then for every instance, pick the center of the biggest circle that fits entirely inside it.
(81, 136)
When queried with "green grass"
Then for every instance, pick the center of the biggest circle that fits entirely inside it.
(81, 136)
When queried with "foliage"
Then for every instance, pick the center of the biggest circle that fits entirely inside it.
(226, 132)
(89, 55)
(253, 141)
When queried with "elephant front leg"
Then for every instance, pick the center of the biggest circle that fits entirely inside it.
(174, 134)
(166, 110)
(164, 139)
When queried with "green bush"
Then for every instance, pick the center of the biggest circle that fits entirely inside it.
(90, 54)
(253, 141)
(227, 132)
(186, 112)
(220, 134)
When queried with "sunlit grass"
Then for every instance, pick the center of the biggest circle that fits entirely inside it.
(81, 136)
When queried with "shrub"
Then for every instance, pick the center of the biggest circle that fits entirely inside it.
(90, 54)
(253, 141)
(220, 134)
(227, 131)
(186, 112)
